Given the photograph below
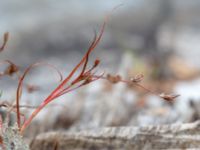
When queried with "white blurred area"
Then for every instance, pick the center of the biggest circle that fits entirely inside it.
(39, 28)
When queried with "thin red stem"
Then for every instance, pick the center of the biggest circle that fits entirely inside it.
(35, 112)
(19, 88)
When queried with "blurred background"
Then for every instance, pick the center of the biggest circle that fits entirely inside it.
(158, 38)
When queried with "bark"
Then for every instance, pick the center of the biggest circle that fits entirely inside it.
(119, 138)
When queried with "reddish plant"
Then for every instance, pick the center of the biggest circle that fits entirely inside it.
(71, 82)
(86, 76)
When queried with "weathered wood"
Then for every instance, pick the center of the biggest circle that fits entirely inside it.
(127, 138)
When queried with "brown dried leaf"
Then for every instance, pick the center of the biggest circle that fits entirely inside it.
(168, 97)
(32, 88)
(113, 79)
(11, 69)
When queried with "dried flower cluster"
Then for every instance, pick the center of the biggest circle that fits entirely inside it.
(137, 82)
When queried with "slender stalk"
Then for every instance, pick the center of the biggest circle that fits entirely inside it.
(35, 112)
